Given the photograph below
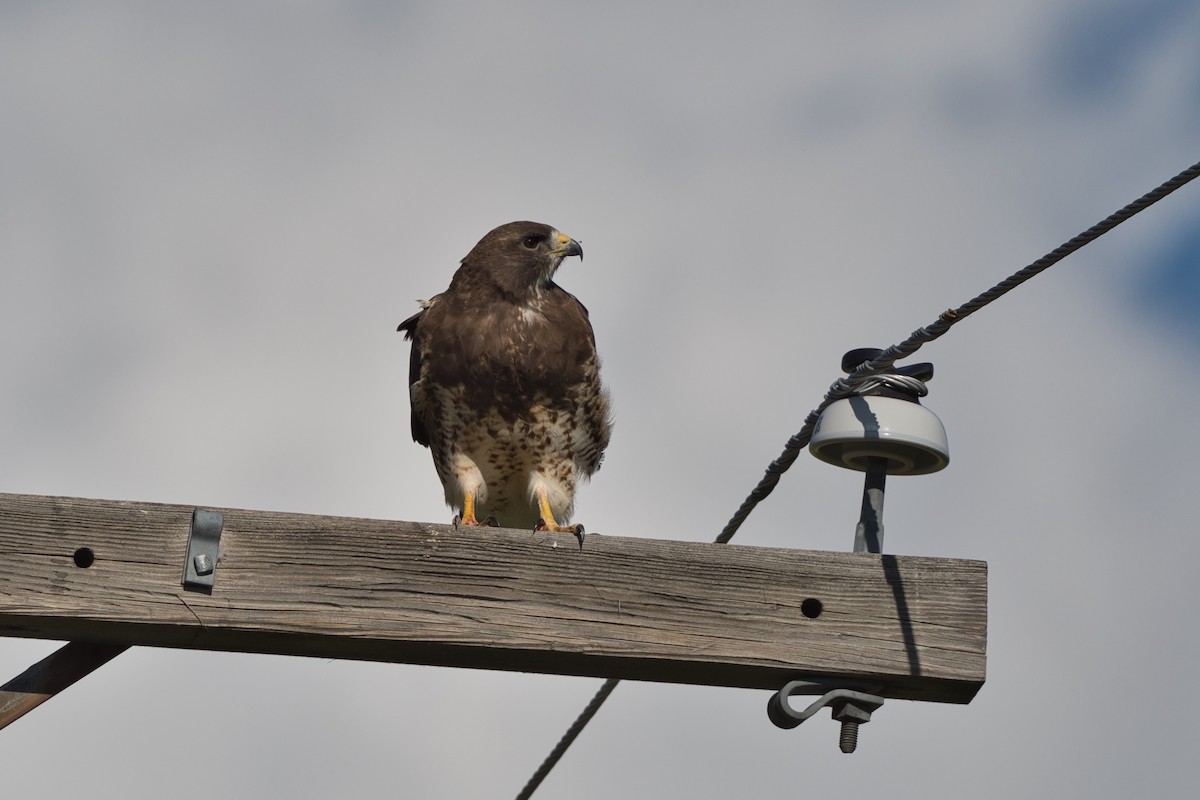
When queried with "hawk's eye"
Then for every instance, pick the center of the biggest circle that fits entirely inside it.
(531, 242)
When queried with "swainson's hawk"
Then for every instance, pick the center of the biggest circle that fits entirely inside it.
(504, 383)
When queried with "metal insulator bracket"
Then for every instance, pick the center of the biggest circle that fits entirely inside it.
(203, 550)
(848, 706)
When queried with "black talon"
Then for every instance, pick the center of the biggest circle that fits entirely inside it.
(579, 534)
(457, 519)
(491, 521)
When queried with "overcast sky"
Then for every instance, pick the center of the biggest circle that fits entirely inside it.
(257, 193)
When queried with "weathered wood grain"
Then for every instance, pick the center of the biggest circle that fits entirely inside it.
(641, 609)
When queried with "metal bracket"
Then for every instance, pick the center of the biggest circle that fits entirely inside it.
(203, 551)
(848, 706)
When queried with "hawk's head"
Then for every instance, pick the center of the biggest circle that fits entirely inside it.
(521, 257)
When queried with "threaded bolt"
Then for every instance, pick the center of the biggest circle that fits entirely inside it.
(848, 741)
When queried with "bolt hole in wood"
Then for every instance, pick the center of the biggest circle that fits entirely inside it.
(84, 558)
(811, 607)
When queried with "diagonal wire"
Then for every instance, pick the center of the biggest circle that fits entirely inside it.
(845, 387)
(583, 719)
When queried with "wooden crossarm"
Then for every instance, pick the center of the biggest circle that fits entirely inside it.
(109, 573)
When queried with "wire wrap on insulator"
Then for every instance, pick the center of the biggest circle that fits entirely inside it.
(870, 384)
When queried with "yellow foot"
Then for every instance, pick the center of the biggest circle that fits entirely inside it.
(547, 523)
(487, 522)
(555, 528)
(468, 516)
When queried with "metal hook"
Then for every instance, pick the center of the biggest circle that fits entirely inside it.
(848, 706)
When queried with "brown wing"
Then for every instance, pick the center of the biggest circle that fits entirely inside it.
(591, 405)
(409, 327)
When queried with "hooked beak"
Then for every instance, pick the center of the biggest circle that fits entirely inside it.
(566, 246)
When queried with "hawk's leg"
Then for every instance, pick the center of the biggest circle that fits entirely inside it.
(547, 523)
(468, 514)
